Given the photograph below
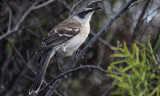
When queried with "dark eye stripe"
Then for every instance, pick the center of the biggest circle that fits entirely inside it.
(83, 13)
(88, 11)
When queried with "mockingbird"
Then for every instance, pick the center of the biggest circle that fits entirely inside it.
(63, 40)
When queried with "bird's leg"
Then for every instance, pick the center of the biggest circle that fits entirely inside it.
(63, 62)
(76, 53)
(59, 64)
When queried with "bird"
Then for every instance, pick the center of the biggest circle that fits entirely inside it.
(63, 40)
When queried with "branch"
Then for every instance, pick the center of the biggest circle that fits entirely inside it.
(136, 3)
(20, 21)
(10, 15)
(76, 69)
(103, 41)
(71, 11)
(125, 7)
(25, 15)
(43, 4)
(106, 93)
(138, 22)
(23, 60)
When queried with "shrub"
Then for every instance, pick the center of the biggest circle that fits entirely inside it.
(140, 71)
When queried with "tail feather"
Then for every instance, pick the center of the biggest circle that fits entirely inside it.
(44, 62)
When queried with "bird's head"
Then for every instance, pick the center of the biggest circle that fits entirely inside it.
(85, 15)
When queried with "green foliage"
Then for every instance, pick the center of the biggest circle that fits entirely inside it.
(156, 45)
(140, 71)
(8, 46)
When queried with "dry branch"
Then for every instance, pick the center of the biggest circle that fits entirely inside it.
(76, 69)
(43, 4)
(19, 22)
(134, 35)
(10, 16)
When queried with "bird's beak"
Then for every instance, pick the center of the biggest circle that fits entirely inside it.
(96, 8)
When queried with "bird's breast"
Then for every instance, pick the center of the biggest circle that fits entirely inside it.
(75, 42)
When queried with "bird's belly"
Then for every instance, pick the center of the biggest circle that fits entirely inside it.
(74, 43)
(71, 45)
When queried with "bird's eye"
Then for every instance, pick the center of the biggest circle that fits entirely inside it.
(84, 12)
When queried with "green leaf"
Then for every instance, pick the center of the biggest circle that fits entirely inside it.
(153, 93)
(139, 68)
(156, 45)
(119, 55)
(128, 68)
(118, 62)
(118, 49)
(9, 49)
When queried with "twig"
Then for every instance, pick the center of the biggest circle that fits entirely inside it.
(76, 69)
(65, 4)
(103, 41)
(25, 15)
(25, 27)
(9, 92)
(57, 93)
(19, 55)
(136, 3)
(13, 31)
(43, 4)
(74, 7)
(10, 16)
(92, 1)
(125, 7)
(147, 25)
(156, 47)
(20, 21)
(23, 60)
(133, 37)
(50, 92)
(107, 91)
(100, 54)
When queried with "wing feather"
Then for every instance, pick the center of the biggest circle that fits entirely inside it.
(60, 34)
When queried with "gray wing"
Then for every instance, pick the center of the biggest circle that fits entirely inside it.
(60, 34)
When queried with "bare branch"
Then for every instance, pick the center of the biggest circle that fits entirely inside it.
(25, 15)
(103, 41)
(74, 7)
(43, 4)
(76, 69)
(10, 16)
(139, 22)
(19, 55)
(20, 21)
(13, 31)
(136, 3)
(106, 93)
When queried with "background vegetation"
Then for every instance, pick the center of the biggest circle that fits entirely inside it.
(135, 63)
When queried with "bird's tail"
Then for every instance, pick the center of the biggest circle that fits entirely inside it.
(44, 62)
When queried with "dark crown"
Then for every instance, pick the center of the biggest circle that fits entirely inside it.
(85, 11)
